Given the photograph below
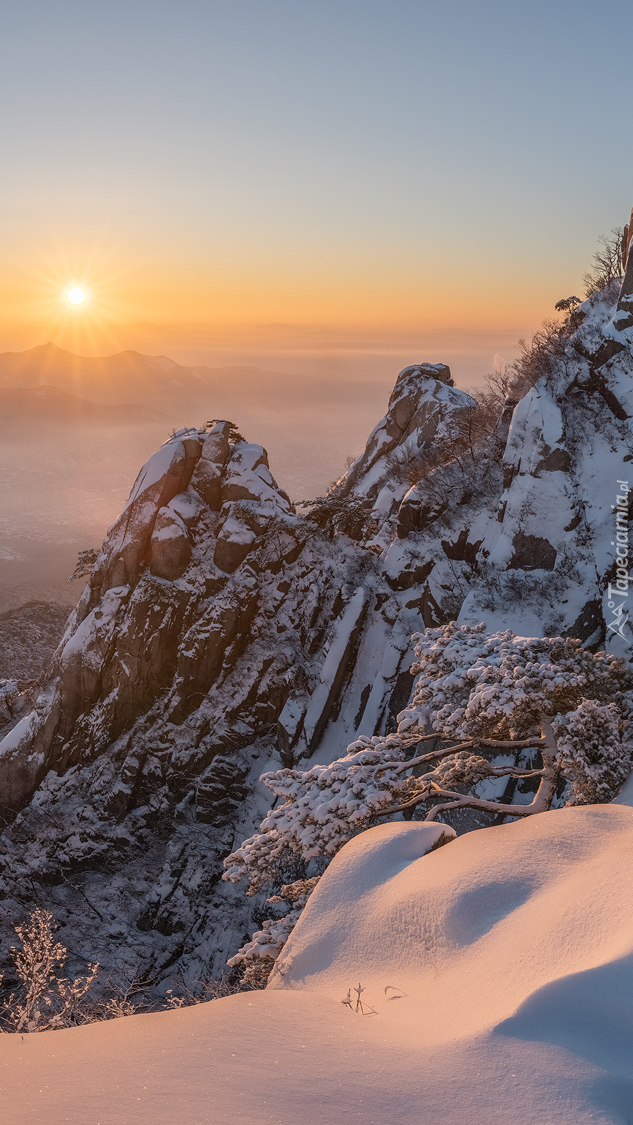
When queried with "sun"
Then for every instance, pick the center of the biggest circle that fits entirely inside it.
(75, 295)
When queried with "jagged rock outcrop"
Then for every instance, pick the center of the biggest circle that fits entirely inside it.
(623, 317)
(207, 475)
(165, 475)
(424, 417)
(408, 499)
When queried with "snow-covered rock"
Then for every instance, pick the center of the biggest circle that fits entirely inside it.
(167, 473)
(623, 318)
(207, 475)
(248, 477)
(424, 414)
(234, 541)
(220, 634)
(170, 546)
(548, 555)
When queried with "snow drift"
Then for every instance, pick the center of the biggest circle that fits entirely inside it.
(500, 967)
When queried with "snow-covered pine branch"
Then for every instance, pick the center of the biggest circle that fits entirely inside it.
(496, 685)
(86, 560)
(323, 808)
(485, 691)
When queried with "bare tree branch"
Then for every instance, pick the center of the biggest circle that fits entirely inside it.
(542, 798)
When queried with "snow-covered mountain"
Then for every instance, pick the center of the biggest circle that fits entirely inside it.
(223, 632)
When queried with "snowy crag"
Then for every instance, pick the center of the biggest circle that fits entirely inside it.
(224, 632)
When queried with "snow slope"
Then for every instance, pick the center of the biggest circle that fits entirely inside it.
(509, 952)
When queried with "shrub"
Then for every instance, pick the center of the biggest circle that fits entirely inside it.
(46, 1000)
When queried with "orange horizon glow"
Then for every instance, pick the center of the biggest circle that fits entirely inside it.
(387, 299)
(331, 190)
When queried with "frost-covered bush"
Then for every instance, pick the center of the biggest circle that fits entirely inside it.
(590, 743)
(479, 692)
(46, 1001)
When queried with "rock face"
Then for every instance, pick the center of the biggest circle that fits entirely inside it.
(623, 318)
(423, 418)
(222, 633)
(125, 548)
(170, 546)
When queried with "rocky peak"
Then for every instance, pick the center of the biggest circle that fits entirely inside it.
(126, 545)
(424, 411)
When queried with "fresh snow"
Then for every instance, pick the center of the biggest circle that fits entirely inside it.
(500, 968)
(156, 467)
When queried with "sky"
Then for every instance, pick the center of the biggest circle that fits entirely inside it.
(351, 176)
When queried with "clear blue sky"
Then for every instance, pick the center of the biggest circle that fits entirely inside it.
(405, 163)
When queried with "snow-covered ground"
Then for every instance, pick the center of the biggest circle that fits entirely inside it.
(500, 968)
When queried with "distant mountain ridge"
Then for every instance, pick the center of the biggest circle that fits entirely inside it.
(121, 377)
(106, 379)
(157, 380)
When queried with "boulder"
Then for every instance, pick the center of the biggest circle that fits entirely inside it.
(417, 511)
(208, 472)
(247, 477)
(188, 506)
(233, 544)
(170, 546)
(532, 552)
(216, 446)
(206, 480)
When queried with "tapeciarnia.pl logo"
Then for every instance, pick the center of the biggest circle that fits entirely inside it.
(621, 543)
